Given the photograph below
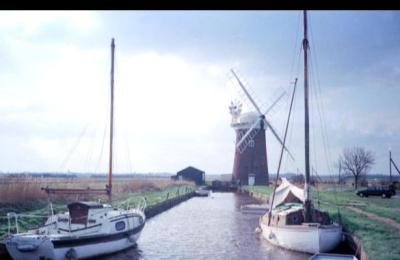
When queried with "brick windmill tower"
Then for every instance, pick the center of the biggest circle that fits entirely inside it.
(250, 164)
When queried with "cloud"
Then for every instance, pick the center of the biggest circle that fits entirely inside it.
(172, 108)
(29, 23)
(173, 87)
(164, 104)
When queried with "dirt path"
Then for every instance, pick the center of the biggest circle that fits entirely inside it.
(370, 215)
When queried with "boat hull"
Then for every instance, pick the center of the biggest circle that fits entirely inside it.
(304, 238)
(97, 249)
(34, 247)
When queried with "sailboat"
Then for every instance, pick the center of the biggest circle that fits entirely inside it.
(292, 222)
(88, 229)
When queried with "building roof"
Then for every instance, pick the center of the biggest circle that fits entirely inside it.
(190, 168)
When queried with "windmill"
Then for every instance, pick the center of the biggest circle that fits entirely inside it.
(250, 164)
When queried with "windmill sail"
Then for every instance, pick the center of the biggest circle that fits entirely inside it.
(247, 138)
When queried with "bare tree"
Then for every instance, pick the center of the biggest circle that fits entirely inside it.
(356, 161)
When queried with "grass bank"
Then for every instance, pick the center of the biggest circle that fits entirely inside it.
(380, 241)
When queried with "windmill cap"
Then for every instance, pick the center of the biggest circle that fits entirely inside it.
(249, 117)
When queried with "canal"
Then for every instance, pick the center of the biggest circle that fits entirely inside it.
(205, 228)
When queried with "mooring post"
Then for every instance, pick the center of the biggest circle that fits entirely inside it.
(16, 223)
(9, 223)
(390, 164)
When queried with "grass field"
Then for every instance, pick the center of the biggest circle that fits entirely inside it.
(380, 240)
(15, 196)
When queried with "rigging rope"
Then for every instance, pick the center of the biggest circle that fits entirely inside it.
(128, 153)
(25, 215)
(102, 148)
(295, 47)
(73, 148)
(291, 124)
(89, 153)
(294, 73)
(281, 155)
(320, 109)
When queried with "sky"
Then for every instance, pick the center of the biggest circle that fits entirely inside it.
(173, 87)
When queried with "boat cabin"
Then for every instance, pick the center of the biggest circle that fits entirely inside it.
(79, 211)
(288, 207)
(292, 214)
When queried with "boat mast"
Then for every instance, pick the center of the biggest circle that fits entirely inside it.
(110, 168)
(307, 201)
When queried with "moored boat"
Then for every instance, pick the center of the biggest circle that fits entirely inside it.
(286, 224)
(305, 237)
(203, 192)
(88, 229)
(292, 222)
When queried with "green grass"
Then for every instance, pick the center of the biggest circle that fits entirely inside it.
(380, 241)
(40, 207)
(152, 197)
(388, 208)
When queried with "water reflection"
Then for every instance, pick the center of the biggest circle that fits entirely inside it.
(205, 228)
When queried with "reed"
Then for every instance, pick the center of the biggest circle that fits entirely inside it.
(22, 189)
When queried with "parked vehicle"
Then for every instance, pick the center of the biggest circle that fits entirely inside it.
(385, 191)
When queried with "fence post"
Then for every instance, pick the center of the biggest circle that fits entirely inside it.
(9, 224)
(16, 223)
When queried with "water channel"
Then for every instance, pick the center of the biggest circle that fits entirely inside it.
(205, 228)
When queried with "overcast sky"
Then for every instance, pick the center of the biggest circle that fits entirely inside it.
(173, 87)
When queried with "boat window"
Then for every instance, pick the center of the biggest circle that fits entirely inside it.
(120, 225)
(62, 219)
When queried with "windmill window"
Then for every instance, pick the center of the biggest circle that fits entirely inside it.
(251, 143)
(120, 225)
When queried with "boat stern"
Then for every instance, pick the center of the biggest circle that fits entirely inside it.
(28, 246)
(330, 237)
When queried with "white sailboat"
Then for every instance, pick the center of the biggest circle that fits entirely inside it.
(292, 222)
(88, 229)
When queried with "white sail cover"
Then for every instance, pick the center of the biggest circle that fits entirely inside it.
(287, 192)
